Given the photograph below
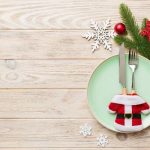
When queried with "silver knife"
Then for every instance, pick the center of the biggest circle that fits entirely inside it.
(122, 69)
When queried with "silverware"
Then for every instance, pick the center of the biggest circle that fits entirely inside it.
(133, 62)
(122, 68)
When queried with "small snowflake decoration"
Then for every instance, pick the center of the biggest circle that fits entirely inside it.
(86, 130)
(101, 35)
(102, 140)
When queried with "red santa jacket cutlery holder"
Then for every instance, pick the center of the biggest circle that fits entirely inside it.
(128, 109)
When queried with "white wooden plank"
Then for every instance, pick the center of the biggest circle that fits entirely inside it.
(49, 45)
(46, 73)
(60, 14)
(56, 104)
(44, 103)
(73, 148)
(60, 133)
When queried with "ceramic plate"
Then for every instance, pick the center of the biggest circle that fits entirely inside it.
(104, 84)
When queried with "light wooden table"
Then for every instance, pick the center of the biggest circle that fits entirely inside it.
(45, 66)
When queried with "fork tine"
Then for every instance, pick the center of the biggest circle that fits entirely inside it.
(129, 55)
(134, 55)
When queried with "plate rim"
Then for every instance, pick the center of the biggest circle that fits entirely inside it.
(87, 89)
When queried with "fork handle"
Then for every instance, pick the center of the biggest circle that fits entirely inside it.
(133, 82)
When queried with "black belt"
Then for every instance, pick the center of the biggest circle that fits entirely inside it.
(128, 116)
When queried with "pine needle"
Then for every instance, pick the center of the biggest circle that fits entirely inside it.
(143, 23)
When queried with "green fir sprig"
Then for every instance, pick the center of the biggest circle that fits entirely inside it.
(133, 40)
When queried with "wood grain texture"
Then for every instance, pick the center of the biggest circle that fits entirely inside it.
(44, 103)
(63, 133)
(73, 148)
(50, 44)
(45, 66)
(46, 73)
(60, 14)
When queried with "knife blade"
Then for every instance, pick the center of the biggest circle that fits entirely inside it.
(122, 68)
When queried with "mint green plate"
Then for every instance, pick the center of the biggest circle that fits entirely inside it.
(104, 84)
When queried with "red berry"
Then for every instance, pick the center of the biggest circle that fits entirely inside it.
(120, 28)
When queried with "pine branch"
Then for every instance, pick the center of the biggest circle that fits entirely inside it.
(137, 42)
(127, 42)
(143, 50)
(129, 20)
(144, 47)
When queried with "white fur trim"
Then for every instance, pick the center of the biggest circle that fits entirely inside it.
(111, 111)
(128, 110)
(128, 99)
(128, 128)
(147, 111)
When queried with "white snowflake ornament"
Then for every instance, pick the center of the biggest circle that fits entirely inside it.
(100, 34)
(102, 140)
(86, 130)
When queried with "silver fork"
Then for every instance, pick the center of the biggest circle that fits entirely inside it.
(133, 62)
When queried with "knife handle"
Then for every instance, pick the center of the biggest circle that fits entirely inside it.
(124, 91)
